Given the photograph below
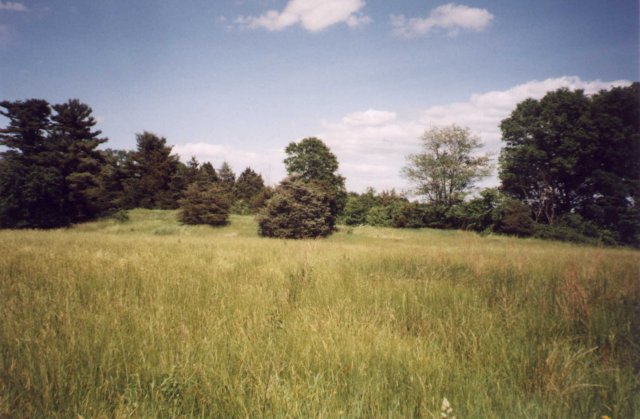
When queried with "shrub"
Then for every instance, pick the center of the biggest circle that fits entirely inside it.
(573, 228)
(513, 217)
(205, 203)
(296, 210)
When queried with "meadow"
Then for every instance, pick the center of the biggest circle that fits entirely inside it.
(149, 318)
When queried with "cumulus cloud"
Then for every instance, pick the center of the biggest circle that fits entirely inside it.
(369, 117)
(451, 18)
(11, 6)
(372, 145)
(312, 15)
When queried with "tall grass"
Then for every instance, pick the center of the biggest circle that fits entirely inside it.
(147, 318)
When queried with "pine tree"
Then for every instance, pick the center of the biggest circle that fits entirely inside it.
(152, 167)
(205, 203)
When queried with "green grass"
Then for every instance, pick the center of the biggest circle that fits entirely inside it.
(148, 318)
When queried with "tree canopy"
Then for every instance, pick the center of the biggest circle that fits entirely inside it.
(446, 168)
(313, 162)
(49, 172)
(569, 153)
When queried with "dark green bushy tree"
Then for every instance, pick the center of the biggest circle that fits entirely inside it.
(569, 153)
(315, 164)
(205, 203)
(249, 190)
(296, 210)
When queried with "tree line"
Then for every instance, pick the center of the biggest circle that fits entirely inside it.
(569, 169)
(52, 173)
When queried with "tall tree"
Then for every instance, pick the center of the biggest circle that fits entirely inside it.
(227, 177)
(31, 188)
(545, 143)
(48, 174)
(152, 168)
(249, 188)
(446, 169)
(314, 163)
(78, 158)
(573, 154)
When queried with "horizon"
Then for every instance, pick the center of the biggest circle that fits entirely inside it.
(237, 81)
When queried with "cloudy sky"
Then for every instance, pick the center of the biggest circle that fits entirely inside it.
(238, 80)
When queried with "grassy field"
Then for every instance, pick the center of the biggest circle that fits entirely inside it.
(148, 318)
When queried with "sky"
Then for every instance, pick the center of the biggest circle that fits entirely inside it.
(238, 80)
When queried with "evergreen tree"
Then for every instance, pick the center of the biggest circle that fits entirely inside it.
(78, 158)
(248, 190)
(297, 210)
(207, 173)
(205, 203)
(152, 167)
(227, 177)
(49, 173)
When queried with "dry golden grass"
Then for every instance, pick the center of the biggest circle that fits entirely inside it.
(148, 318)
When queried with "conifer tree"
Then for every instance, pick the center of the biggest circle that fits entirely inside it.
(296, 210)
(205, 203)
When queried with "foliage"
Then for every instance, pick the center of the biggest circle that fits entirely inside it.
(574, 228)
(570, 153)
(49, 173)
(249, 190)
(314, 163)
(227, 177)
(446, 168)
(296, 210)
(150, 171)
(205, 203)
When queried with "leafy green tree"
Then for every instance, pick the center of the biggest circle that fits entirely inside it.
(569, 153)
(296, 210)
(205, 203)
(314, 163)
(545, 141)
(152, 167)
(358, 206)
(446, 169)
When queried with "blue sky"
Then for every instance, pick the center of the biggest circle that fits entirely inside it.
(238, 80)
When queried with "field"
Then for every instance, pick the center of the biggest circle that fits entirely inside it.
(148, 318)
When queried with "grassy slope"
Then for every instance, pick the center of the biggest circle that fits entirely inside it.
(150, 318)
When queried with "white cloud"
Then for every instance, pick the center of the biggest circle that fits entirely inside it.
(369, 117)
(450, 17)
(11, 6)
(371, 146)
(313, 15)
